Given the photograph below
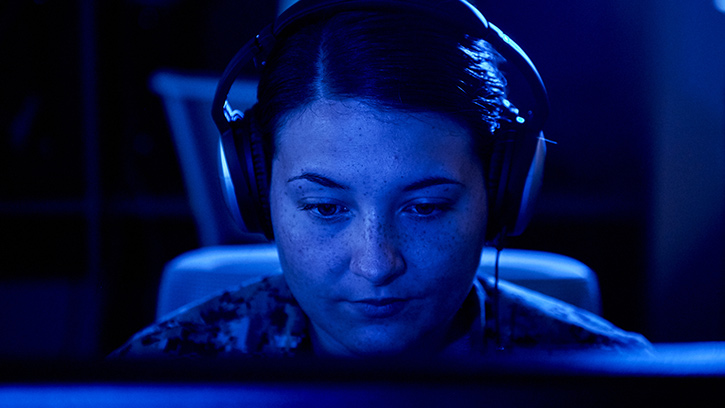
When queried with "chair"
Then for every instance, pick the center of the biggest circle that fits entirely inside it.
(203, 272)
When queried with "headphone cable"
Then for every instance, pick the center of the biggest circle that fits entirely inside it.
(496, 292)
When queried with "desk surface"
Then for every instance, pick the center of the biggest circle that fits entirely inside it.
(687, 372)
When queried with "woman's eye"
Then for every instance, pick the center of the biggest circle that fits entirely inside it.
(327, 210)
(423, 209)
(427, 209)
(324, 210)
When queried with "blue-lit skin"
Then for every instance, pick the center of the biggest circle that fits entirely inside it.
(379, 219)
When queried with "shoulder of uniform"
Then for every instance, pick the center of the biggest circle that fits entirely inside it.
(259, 318)
(530, 319)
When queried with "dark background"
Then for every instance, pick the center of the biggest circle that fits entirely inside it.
(92, 201)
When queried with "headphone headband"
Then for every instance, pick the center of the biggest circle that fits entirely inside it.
(459, 12)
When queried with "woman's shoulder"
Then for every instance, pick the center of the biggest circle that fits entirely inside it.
(522, 318)
(261, 318)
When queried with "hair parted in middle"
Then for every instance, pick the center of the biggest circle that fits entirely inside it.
(399, 61)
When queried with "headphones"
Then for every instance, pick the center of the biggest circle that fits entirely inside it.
(518, 158)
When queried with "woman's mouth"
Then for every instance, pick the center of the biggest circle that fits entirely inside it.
(378, 308)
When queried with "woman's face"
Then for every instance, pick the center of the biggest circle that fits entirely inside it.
(380, 219)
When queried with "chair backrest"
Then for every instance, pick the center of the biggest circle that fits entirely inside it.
(207, 271)
(187, 102)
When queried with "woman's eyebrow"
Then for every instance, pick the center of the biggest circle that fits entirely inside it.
(430, 182)
(319, 179)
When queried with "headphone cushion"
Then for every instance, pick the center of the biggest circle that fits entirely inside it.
(514, 177)
(260, 174)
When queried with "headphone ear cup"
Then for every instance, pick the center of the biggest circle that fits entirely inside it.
(526, 178)
(244, 176)
(515, 178)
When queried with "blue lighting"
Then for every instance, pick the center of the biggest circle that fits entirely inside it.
(719, 5)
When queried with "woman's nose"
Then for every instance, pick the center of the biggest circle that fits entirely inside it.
(376, 256)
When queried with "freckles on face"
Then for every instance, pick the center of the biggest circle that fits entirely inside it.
(379, 218)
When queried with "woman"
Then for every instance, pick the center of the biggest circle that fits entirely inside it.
(376, 129)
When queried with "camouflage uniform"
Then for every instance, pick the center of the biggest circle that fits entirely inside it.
(265, 319)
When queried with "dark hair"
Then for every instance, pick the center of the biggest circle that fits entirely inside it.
(399, 61)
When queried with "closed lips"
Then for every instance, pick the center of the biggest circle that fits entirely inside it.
(378, 308)
(379, 302)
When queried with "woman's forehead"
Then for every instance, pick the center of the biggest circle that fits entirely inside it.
(351, 139)
(353, 123)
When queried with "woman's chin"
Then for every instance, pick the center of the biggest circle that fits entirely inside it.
(370, 342)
